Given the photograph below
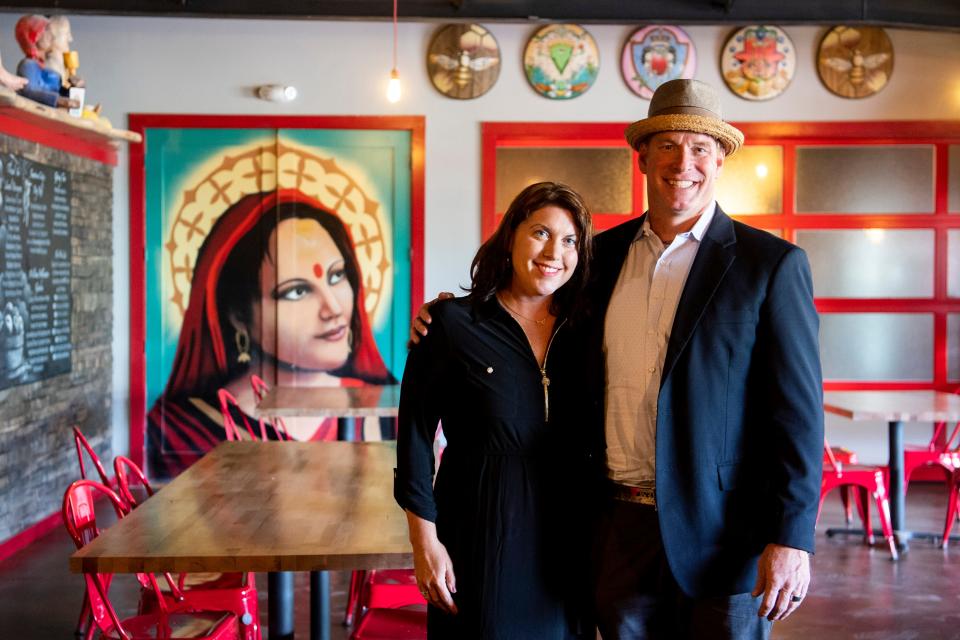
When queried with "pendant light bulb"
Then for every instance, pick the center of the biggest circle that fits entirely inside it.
(393, 87)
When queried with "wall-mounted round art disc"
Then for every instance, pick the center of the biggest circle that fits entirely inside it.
(855, 62)
(758, 62)
(653, 55)
(561, 61)
(463, 61)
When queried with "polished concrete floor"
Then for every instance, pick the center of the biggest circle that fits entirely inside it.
(857, 592)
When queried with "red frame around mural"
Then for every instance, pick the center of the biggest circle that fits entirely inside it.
(788, 135)
(140, 122)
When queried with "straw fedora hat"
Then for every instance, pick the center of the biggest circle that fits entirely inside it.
(685, 105)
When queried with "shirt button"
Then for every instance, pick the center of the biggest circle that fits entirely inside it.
(652, 369)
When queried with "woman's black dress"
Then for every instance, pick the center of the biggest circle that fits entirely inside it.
(508, 497)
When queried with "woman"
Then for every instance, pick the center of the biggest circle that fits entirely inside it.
(276, 291)
(497, 551)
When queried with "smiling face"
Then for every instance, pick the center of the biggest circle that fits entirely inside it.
(303, 314)
(681, 169)
(544, 253)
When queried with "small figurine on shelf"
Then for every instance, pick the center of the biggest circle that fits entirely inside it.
(43, 85)
(58, 56)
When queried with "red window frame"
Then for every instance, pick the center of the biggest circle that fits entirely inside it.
(787, 135)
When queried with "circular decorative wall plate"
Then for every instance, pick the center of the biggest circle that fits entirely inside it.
(463, 61)
(561, 61)
(653, 55)
(855, 62)
(758, 62)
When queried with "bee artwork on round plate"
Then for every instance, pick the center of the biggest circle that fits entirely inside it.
(855, 62)
(463, 61)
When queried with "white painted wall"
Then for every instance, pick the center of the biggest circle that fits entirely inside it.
(166, 65)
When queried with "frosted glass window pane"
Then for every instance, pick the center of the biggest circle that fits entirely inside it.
(953, 263)
(752, 181)
(877, 346)
(870, 263)
(603, 176)
(867, 179)
(953, 188)
(953, 346)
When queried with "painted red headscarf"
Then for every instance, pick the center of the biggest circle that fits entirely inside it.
(28, 32)
(201, 353)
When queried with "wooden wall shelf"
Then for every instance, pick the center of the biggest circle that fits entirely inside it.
(45, 125)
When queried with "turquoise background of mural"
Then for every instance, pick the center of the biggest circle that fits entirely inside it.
(173, 155)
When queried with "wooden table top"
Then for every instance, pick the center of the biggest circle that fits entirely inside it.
(265, 506)
(341, 402)
(888, 406)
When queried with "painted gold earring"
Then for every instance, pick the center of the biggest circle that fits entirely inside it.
(242, 338)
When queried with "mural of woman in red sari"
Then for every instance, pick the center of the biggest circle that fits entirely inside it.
(276, 291)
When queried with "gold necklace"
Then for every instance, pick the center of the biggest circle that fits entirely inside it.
(540, 323)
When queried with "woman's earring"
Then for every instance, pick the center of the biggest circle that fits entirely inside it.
(242, 338)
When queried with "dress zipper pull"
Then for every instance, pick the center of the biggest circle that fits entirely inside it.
(545, 381)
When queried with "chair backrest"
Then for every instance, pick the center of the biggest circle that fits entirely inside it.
(80, 519)
(944, 445)
(230, 424)
(260, 389)
(83, 445)
(125, 469)
(830, 459)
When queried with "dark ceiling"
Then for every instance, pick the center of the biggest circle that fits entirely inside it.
(926, 14)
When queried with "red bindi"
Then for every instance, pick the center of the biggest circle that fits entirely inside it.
(318, 270)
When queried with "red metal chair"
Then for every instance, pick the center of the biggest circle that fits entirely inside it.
(381, 589)
(124, 468)
(953, 501)
(85, 628)
(381, 616)
(236, 592)
(391, 624)
(83, 445)
(79, 517)
(936, 452)
(869, 481)
(260, 389)
(230, 424)
(847, 457)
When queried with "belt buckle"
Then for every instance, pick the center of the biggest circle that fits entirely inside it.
(646, 496)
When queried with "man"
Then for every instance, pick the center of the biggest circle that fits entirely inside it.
(706, 348)
(704, 370)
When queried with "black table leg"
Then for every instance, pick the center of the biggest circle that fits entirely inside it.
(896, 497)
(319, 605)
(280, 605)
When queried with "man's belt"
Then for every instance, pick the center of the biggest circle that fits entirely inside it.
(639, 495)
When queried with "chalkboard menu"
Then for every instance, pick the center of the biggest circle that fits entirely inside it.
(34, 271)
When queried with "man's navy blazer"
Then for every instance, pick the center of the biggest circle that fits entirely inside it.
(739, 443)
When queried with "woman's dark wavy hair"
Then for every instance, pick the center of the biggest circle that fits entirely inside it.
(492, 271)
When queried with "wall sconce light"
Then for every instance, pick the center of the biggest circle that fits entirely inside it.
(277, 92)
(393, 87)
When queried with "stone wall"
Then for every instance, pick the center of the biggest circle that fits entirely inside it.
(37, 457)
